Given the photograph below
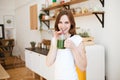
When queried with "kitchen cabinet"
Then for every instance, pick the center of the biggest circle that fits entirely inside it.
(95, 62)
(28, 59)
(36, 62)
(66, 5)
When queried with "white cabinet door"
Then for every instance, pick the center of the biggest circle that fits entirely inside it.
(32, 61)
(45, 71)
(35, 62)
(28, 59)
(95, 62)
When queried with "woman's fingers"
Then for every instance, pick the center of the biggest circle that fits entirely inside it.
(57, 33)
(68, 43)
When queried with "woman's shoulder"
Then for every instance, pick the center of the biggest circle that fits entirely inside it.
(76, 36)
(76, 39)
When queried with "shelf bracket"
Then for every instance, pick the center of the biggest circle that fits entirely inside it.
(47, 12)
(102, 2)
(66, 7)
(101, 20)
(47, 23)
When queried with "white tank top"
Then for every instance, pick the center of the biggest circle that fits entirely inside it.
(65, 68)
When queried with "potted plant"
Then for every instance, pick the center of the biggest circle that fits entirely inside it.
(33, 43)
(84, 34)
(87, 39)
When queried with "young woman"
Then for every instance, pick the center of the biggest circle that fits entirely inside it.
(73, 55)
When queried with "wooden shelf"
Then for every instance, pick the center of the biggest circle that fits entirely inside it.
(81, 14)
(98, 12)
(78, 15)
(75, 15)
(67, 6)
(64, 4)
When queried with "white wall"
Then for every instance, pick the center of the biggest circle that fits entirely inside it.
(23, 32)
(107, 36)
(6, 8)
(111, 38)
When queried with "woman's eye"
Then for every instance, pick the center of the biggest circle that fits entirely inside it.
(66, 22)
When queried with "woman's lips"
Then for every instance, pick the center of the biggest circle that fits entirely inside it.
(64, 30)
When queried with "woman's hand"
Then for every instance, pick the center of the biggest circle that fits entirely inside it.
(56, 34)
(69, 44)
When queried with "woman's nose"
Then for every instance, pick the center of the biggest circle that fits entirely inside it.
(63, 25)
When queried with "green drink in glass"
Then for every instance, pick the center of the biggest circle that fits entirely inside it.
(60, 41)
(60, 44)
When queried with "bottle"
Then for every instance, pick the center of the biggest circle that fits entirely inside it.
(54, 0)
(60, 41)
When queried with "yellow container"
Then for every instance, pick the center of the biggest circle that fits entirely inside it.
(81, 74)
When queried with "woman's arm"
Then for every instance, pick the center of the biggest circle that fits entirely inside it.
(52, 52)
(79, 54)
(53, 49)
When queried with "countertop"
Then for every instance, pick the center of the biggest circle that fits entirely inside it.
(39, 50)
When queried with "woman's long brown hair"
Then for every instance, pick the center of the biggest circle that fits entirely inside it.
(72, 30)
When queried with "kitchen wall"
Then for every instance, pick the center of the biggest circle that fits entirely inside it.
(6, 9)
(23, 32)
(110, 39)
(108, 36)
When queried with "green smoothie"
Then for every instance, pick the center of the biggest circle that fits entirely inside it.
(60, 44)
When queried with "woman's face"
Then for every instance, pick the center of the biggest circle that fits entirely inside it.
(64, 24)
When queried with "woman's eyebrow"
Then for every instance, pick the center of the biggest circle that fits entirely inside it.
(60, 21)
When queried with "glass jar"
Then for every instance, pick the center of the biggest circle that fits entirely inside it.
(60, 41)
